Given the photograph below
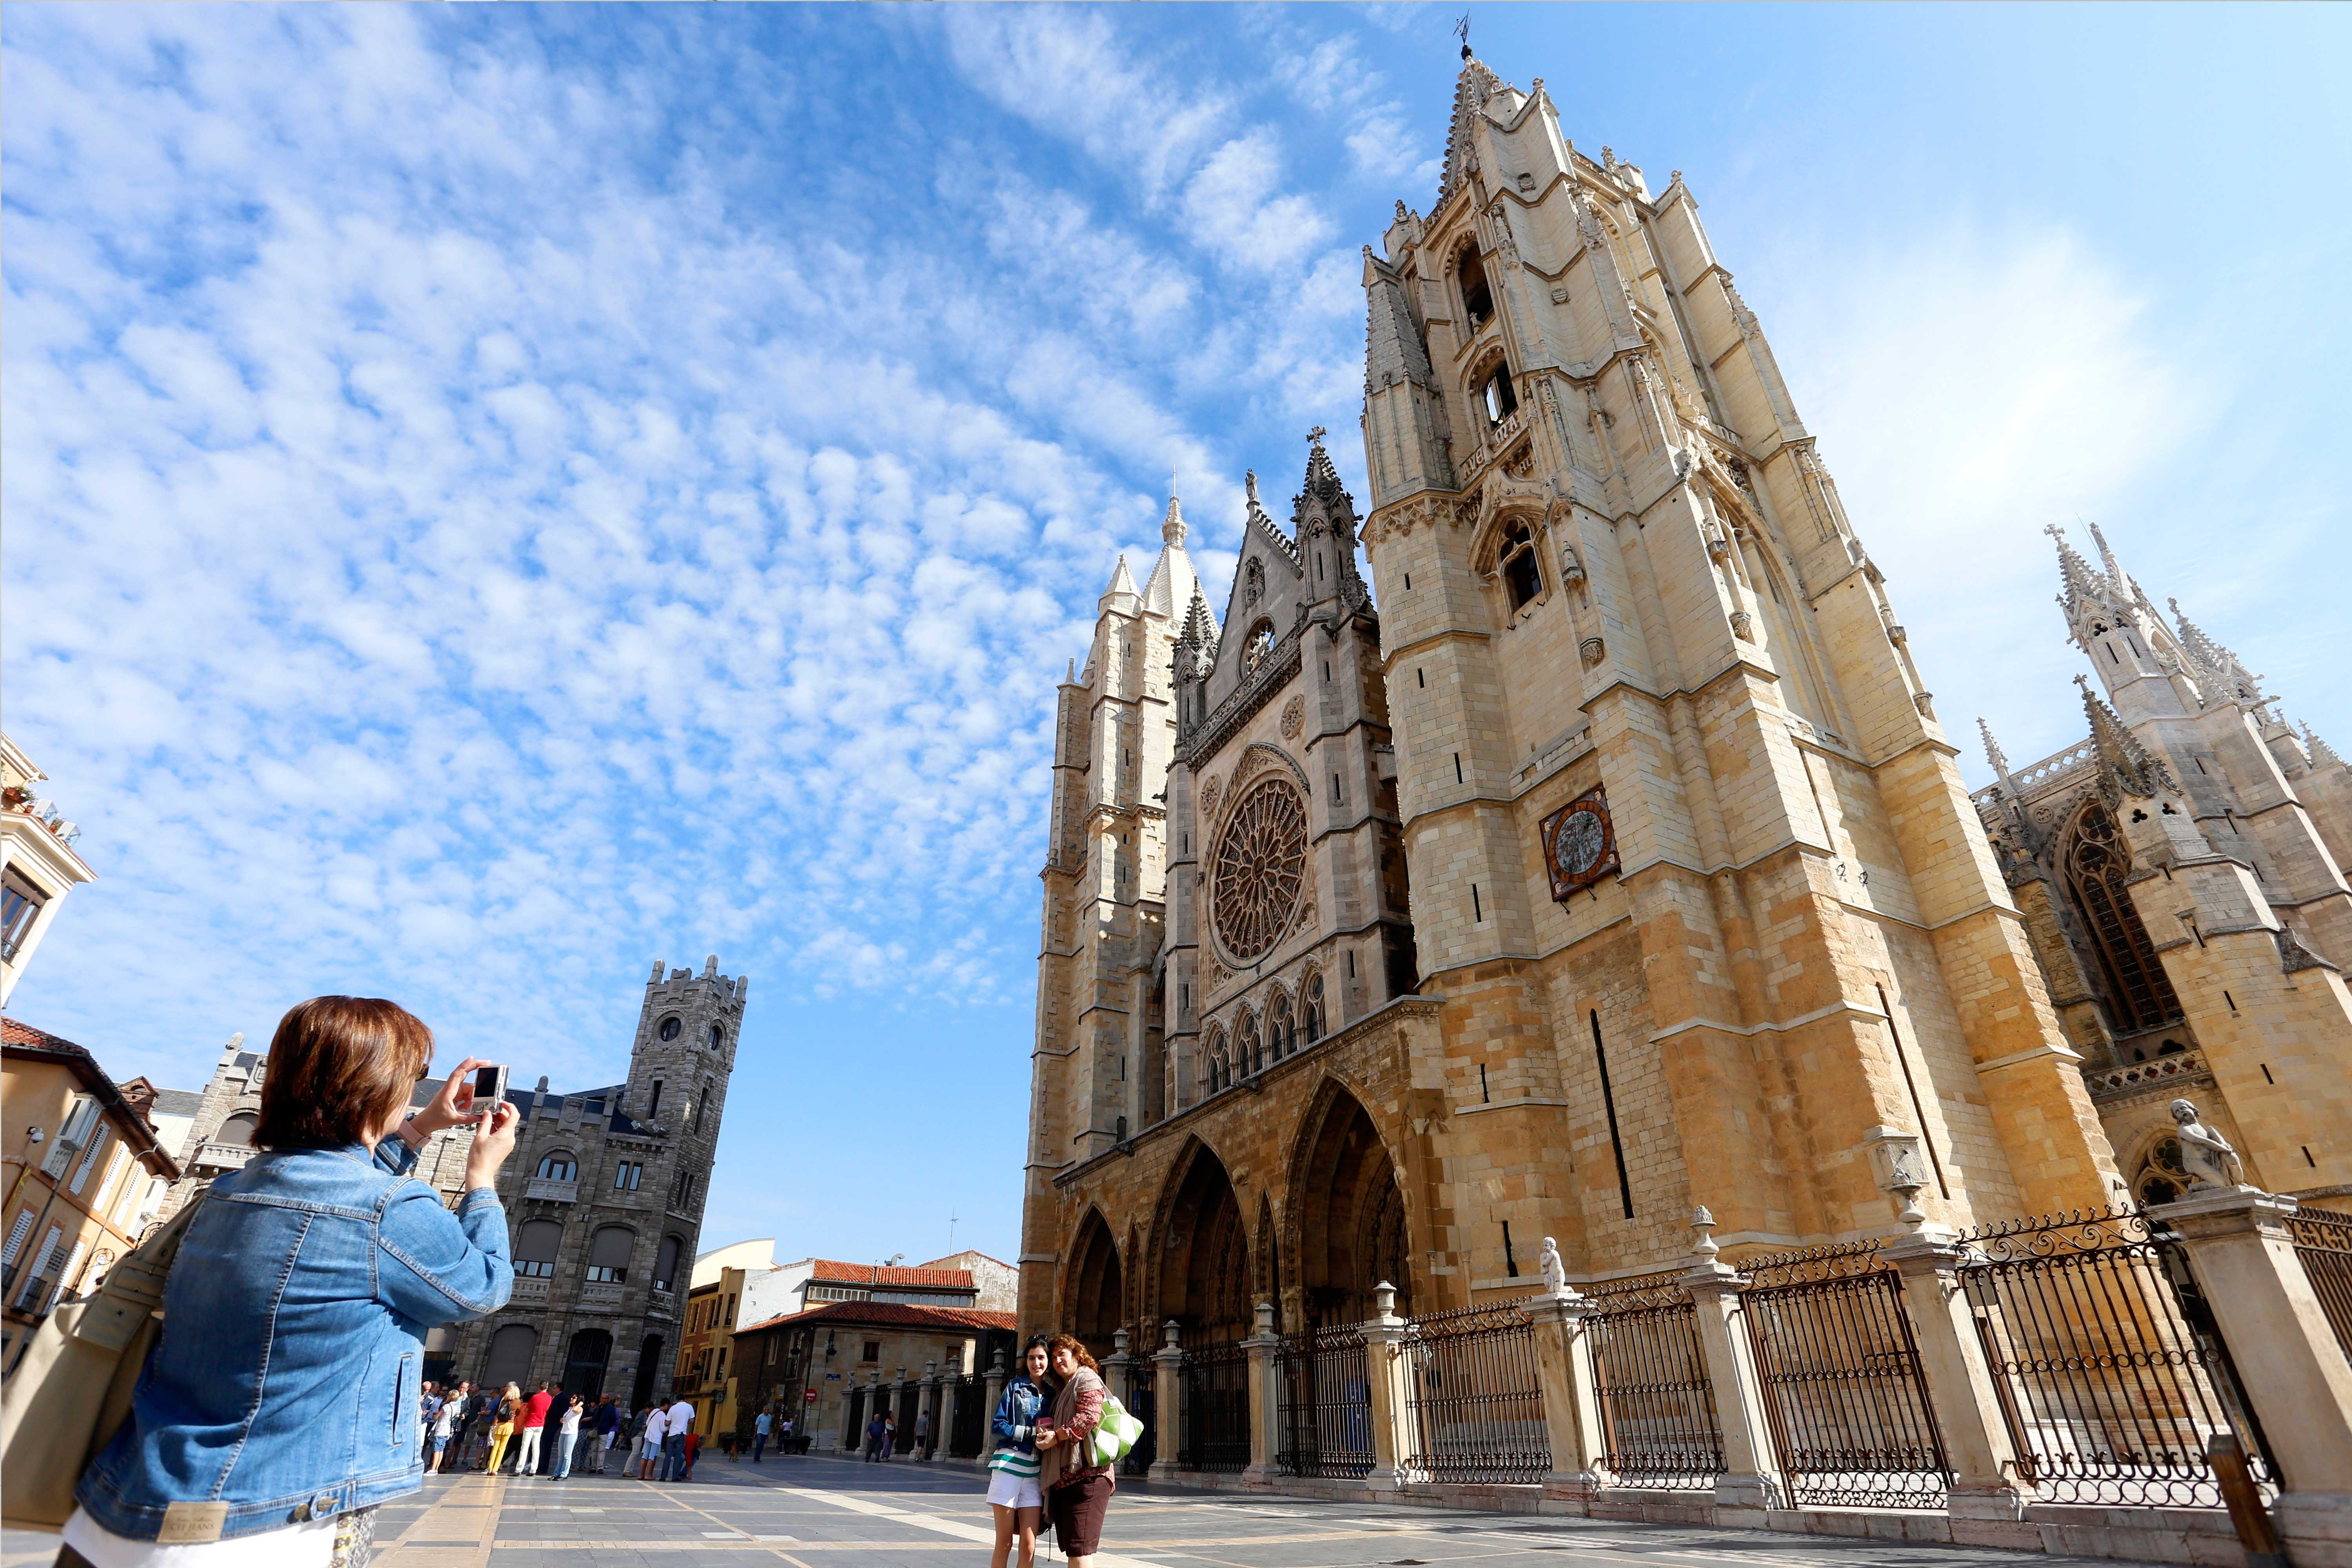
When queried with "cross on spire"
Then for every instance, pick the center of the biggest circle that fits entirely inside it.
(1315, 435)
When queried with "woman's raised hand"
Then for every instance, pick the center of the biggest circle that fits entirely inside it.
(492, 1144)
(454, 1104)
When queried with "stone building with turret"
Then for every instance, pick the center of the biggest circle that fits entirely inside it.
(1592, 852)
(604, 1195)
(2180, 870)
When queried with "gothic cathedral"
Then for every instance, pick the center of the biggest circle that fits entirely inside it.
(1615, 864)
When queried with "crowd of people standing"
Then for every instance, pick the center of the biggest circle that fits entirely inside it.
(504, 1431)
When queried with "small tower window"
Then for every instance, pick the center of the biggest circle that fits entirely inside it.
(1496, 394)
(1522, 577)
(669, 1027)
(1478, 299)
(718, 1037)
(653, 1101)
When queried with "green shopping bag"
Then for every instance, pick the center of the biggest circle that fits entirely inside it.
(1118, 1433)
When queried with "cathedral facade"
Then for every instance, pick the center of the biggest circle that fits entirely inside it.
(1616, 863)
(603, 1196)
(2181, 874)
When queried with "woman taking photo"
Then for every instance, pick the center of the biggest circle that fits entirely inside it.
(1012, 1465)
(1077, 1490)
(279, 1406)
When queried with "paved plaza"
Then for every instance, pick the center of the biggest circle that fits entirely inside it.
(819, 1512)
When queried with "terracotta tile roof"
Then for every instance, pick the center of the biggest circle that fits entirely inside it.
(891, 1314)
(831, 1272)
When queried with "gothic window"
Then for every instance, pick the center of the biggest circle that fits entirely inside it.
(1256, 651)
(1522, 578)
(669, 1028)
(2097, 864)
(1496, 395)
(1260, 862)
(1312, 1007)
(558, 1166)
(1249, 1046)
(2162, 1176)
(535, 1249)
(1478, 299)
(1252, 582)
(1213, 1054)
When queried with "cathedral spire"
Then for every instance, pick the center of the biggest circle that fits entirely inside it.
(2123, 762)
(1993, 756)
(2085, 588)
(2119, 580)
(2322, 753)
(1121, 582)
(1171, 528)
(2227, 679)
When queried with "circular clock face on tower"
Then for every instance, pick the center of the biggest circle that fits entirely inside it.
(1577, 848)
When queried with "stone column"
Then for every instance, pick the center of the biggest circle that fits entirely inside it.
(1387, 1370)
(926, 1403)
(2295, 1375)
(1265, 1399)
(1988, 1494)
(988, 1416)
(1168, 1403)
(1571, 1396)
(1746, 1484)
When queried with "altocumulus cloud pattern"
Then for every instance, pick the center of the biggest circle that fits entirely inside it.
(494, 496)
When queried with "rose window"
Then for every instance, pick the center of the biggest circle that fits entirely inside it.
(1259, 864)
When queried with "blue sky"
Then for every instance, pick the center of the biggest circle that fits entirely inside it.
(496, 495)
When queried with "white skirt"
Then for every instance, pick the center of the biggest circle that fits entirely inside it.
(1006, 1490)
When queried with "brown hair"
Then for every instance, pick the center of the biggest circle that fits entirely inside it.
(1070, 1342)
(338, 1067)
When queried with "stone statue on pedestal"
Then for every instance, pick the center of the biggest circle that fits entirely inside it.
(2205, 1154)
(1555, 1275)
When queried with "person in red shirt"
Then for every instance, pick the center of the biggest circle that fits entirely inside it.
(530, 1423)
(693, 1441)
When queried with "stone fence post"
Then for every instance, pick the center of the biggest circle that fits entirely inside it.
(1168, 1403)
(1265, 1398)
(1989, 1493)
(988, 1414)
(1386, 1371)
(1747, 1479)
(1571, 1396)
(927, 1405)
(2294, 1374)
(1118, 1369)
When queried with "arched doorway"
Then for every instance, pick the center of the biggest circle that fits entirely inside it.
(1204, 1262)
(583, 1368)
(1098, 1293)
(641, 1391)
(1349, 1213)
(509, 1357)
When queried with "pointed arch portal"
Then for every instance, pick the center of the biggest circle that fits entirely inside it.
(1350, 1233)
(1205, 1260)
(1098, 1293)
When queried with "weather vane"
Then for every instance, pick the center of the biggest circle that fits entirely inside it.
(1462, 31)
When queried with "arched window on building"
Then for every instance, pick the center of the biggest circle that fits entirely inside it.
(666, 1263)
(511, 1349)
(1312, 1007)
(608, 1254)
(1516, 564)
(536, 1246)
(2097, 864)
(559, 1166)
(238, 1130)
(1496, 398)
(1218, 1064)
(1249, 1046)
(1477, 298)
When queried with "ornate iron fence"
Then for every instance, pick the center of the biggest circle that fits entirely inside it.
(971, 1413)
(2323, 1240)
(2108, 1369)
(1657, 1403)
(1216, 1409)
(1326, 1403)
(1844, 1394)
(1475, 1407)
(1143, 1398)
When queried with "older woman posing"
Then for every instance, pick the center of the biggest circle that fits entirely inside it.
(1077, 1490)
(279, 1406)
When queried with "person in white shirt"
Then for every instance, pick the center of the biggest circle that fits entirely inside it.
(656, 1423)
(673, 1451)
(567, 1437)
(445, 1428)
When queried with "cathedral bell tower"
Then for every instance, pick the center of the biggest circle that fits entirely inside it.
(1690, 860)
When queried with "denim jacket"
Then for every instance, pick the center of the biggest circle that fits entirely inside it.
(1016, 1416)
(284, 1384)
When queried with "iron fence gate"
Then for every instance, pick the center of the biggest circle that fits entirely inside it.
(1326, 1403)
(1216, 1409)
(1844, 1395)
(904, 1442)
(853, 1431)
(969, 1436)
(1657, 1403)
(1475, 1403)
(1143, 1398)
(2323, 1240)
(2109, 1373)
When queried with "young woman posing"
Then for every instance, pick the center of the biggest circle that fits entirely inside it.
(1013, 1467)
(1077, 1490)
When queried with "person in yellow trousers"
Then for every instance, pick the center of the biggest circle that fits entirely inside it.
(502, 1426)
